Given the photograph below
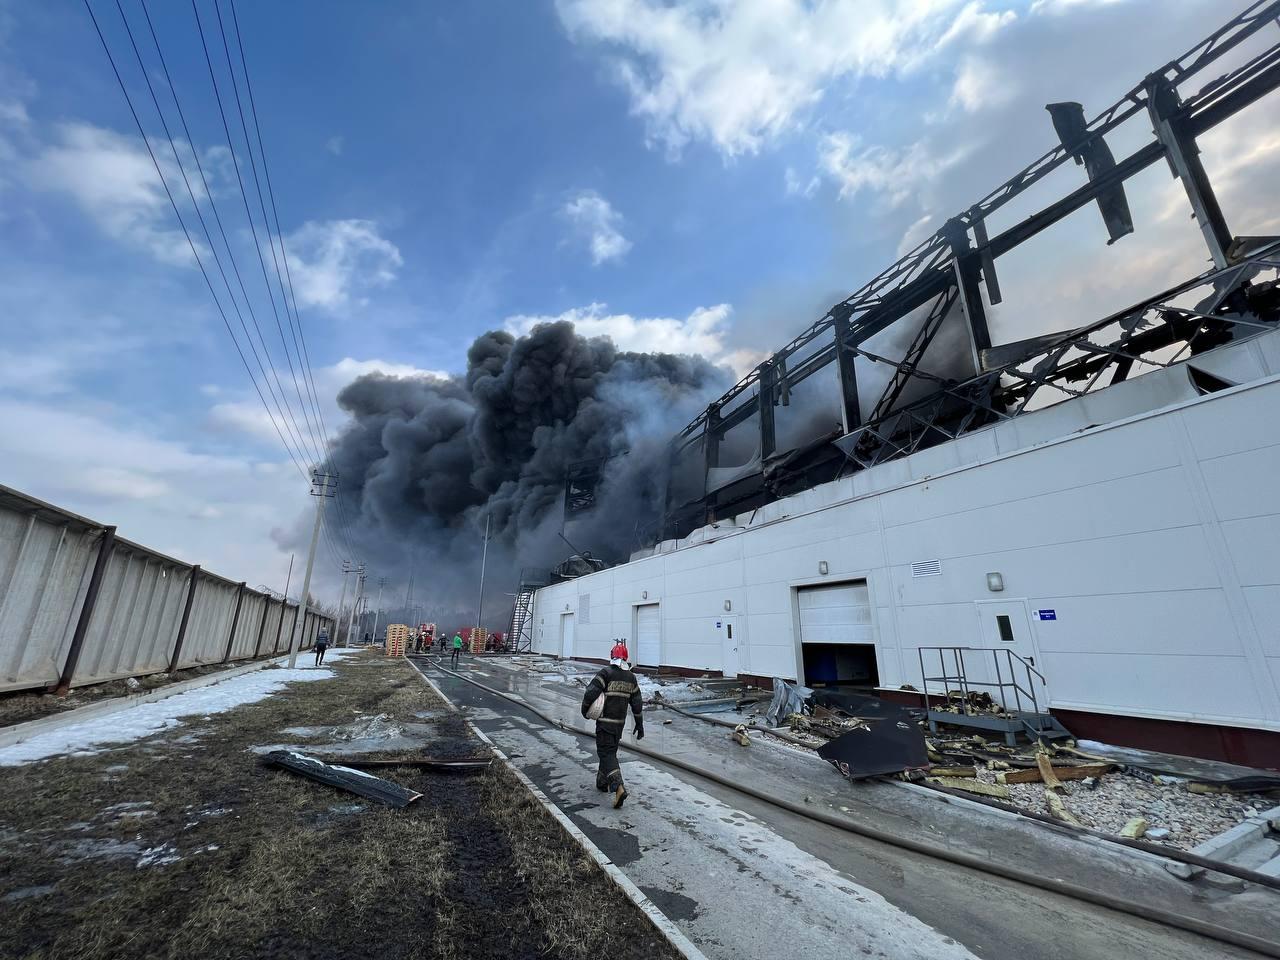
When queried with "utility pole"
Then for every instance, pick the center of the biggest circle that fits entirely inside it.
(346, 568)
(355, 604)
(323, 486)
(377, 607)
(287, 579)
(484, 559)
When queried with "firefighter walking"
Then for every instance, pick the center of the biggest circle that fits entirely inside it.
(608, 696)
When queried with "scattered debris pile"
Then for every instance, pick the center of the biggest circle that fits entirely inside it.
(1181, 802)
(1087, 789)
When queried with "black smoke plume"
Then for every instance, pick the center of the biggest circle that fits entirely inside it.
(425, 460)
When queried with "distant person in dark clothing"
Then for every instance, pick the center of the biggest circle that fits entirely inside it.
(322, 644)
(617, 685)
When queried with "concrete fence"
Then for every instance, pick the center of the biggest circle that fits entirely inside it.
(80, 605)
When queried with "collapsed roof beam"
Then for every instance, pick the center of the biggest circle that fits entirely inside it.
(1170, 126)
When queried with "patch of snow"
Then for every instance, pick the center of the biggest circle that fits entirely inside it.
(158, 856)
(133, 723)
(673, 691)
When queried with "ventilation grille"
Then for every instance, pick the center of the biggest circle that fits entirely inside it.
(926, 568)
(584, 608)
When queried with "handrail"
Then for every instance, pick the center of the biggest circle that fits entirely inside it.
(960, 676)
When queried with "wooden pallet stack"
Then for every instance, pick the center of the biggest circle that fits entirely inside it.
(397, 639)
(475, 638)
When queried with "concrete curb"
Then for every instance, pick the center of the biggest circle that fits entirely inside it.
(25, 731)
(665, 926)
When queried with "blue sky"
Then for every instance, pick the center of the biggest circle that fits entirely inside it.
(697, 176)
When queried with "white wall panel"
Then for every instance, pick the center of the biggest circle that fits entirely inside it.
(1108, 526)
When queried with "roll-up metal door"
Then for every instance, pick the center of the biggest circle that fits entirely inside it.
(840, 613)
(648, 635)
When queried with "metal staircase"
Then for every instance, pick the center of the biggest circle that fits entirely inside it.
(987, 689)
(520, 638)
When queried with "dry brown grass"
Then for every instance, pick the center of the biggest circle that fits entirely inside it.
(475, 869)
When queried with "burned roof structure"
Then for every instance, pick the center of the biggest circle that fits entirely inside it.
(948, 281)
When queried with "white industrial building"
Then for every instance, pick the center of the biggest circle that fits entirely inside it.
(1125, 542)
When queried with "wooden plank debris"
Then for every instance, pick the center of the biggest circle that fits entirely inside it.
(1062, 773)
(1045, 769)
(1134, 829)
(972, 785)
(953, 772)
(1058, 809)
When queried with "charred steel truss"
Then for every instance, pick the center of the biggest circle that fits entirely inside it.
(951, 268)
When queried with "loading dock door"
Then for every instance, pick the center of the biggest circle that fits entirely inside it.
(840, 613)
(566, 635)
(837, 643)
(648, 634)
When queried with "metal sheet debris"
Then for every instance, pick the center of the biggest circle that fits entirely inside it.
(787, 699)
(426, 763)
(344, 778)
(890, 743)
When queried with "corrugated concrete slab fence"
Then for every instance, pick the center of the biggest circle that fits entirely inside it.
(79, 605)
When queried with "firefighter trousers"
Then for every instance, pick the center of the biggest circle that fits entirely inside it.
(609, 774)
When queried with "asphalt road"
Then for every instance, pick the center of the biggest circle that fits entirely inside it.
(744, 879)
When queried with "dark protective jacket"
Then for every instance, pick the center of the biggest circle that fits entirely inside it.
(620, 688)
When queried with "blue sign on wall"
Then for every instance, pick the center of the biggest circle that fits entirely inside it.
(1047, 614)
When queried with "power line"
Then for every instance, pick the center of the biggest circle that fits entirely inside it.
(253, 229)
(187, 234)
(253, 167)
(195, 203)
(284, 256)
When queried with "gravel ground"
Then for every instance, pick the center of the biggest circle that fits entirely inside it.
(1190, 818)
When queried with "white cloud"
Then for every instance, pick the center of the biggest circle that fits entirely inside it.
(915, 233)
(335, 145)
(738, 73)
(897, 174)
(116, 482)
(114, 181)
(980, 83)
(595, 222)
(334, 261)
(1061, 7)
(250, 417)
(798, 186)
(704, 331)
(348, 368)
(159, 492)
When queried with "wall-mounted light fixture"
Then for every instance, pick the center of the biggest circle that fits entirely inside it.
(823, 568)
(995, 582)
(566, 606)
(644, 594)
(728, 605)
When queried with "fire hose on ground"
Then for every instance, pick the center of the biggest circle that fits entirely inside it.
(1153, 914)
